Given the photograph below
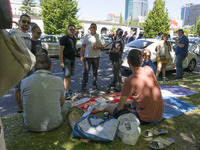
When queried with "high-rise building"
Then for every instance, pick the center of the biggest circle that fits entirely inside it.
(136, 8)
(189, 13)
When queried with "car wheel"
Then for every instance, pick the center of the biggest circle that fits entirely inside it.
(191, 65)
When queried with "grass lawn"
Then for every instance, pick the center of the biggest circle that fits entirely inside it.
(184, 129)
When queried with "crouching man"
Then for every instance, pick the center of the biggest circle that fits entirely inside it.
(143, 88)
(43, 98)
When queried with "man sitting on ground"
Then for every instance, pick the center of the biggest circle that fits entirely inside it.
(143, 88)
(43, 98)
(146, 54)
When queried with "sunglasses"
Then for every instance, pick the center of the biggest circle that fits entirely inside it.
(24, 21)
(39, 32)
(72, 29)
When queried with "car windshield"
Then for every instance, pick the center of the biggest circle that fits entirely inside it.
(192, 46)
(141, 44)
(50, 39)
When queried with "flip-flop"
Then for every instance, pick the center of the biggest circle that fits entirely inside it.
(160, 143)
(153, 131)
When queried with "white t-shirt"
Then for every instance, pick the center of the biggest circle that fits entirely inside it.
(91, 40)
(164, 49)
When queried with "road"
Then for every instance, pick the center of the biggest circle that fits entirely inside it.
(8, 105)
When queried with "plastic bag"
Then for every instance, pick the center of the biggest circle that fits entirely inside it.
(129, 130)
(73, 117)
(95, 128)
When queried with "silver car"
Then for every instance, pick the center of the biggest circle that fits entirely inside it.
(52, 44)
(194, 45)
(151, 44)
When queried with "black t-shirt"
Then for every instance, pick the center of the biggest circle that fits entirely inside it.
(117, 56)
(36, 47)
(70, 46)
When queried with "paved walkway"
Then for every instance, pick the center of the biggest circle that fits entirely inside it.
(8, 105)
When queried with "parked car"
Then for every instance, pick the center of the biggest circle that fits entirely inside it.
(194, 45)
(151, 44)
(52, 44)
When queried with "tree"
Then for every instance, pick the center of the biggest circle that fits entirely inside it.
(197, 27)
(131, 19)
(26, 8)
(157, 20)
(58, 14)
(113, 29)
(120, 19)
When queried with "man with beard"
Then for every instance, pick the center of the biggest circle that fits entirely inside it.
(21, 31)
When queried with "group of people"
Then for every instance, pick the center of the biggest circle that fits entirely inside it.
(163, 53)
(42, 90)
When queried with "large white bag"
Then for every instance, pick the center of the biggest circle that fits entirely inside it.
(129, 130)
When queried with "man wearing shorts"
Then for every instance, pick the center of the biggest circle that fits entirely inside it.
(67, 58)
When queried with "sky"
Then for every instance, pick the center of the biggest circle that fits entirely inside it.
(98, 9)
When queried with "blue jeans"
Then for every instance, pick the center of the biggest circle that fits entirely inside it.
(179, 66)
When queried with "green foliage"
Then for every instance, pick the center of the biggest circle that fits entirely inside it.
(197, 27)
(157, 20)
(26, 8)
(113, 30)
(120, 20)
(58, 14)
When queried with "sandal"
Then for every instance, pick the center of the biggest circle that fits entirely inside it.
(160, 143)
(154, 131)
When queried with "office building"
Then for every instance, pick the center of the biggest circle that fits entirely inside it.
(136, 8)
(189, 14)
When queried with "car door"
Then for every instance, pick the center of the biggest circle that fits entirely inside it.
(54, 46)
(172, 62)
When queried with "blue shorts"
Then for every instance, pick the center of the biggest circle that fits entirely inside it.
(69, 67)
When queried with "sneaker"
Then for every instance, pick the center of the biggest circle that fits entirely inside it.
(112, 85)
(95, 87)
(67, 96)
(83, 89)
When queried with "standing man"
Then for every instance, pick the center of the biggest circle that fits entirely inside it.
(116, 58)
(90, 53)
(130, 38)
(21, 31)
(67, 57)
(181, 53)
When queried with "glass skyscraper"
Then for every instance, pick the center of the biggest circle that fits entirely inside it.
(189, 13)
(136, 7)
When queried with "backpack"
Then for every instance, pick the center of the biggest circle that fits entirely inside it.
(15, 61)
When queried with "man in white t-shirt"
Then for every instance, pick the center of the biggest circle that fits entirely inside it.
(90, 53)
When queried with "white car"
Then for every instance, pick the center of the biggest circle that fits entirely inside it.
(52, 44)
(151, 44)
(194, 45)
